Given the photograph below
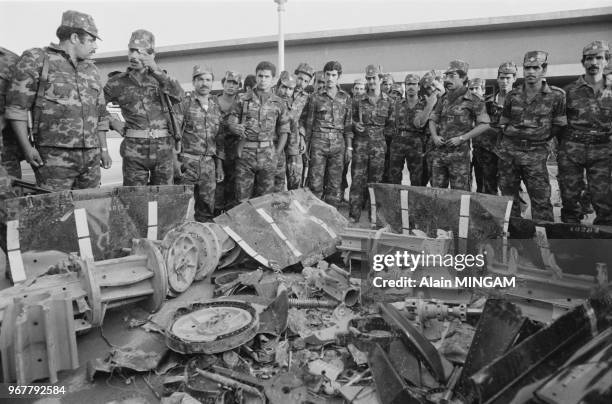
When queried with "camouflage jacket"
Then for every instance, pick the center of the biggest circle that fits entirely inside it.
(404, 118)
(457, 113)
(587, 111)
(202, 129)
(328, 115)
(533, 120)
(7, 61)
(488, 140)
(265, 118)
(72, 110)
(378, 118)
(141, 104)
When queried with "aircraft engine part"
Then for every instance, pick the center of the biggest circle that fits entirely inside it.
(181, 255)
(212, 327)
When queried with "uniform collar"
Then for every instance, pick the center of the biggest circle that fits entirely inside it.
(582, 82)
(545, 88)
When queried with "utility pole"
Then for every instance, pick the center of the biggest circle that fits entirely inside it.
(281, 34)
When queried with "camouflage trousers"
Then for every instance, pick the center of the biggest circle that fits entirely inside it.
(255, 172)
(326, 164)
(409, 149)
(67, 168)
(11, 154)
(147, 161)
(200, 171)
(529, 165)
(451, 165)
(484, 163)
(280, 176)
(573, 160)
(225, 195)
(367, 166)
(387, 169)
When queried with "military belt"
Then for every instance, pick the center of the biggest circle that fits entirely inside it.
(147, 133)
(327, 135)
(524, 143)
(255, 145)
(588, 137)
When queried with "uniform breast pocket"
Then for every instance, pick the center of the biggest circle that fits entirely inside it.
(270, 120)
(380, 118)
(516, 113)
(322, 112)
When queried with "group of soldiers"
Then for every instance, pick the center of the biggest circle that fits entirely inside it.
(303, 129)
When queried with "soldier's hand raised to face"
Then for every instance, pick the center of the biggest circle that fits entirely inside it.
(148, 60)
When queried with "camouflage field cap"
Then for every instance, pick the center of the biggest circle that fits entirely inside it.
(412, 79)
(319, 76)
(535, 58)
(456, 65)
(397, 87)
(476, 82)
(198, 70)
(359, 81)
(372, 70)
(231, 75)
(76, 19)
(507, 68)
(595, 47)
(388, 78)
(142, 39)
(305, 68)
(287, 79)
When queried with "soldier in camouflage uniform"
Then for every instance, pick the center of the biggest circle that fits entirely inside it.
(408, 143)
(431, 84)
(145, 93)
(11, 153)
(259, 118)
(225, 196)
(397, 92)
(328, 136)
(202, 151)
(60, 84)
(532, 115)
(484, 157)
(359, 90)
(373, 121)
(285, 89)
(585, 144)
(458, 117)
(303, 75)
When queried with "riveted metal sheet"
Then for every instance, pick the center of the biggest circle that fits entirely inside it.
(114, 216)
(430, 209)
(295, 227)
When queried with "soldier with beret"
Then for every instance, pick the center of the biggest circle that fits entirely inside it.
(458, 117)
(531, 116)
(146, 95)
(483, 147)
(585, 144)
(61, 84)
(408, 143)
(202, 151)
(373, 120)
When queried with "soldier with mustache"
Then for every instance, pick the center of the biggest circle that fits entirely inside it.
(585, 144)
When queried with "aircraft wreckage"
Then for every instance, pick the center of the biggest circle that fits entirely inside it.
(279, 300)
